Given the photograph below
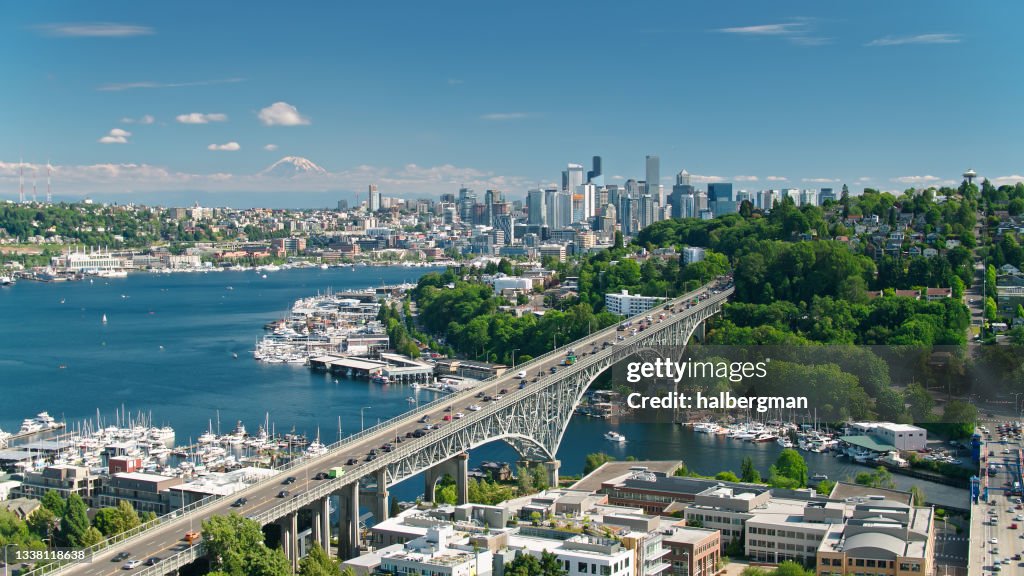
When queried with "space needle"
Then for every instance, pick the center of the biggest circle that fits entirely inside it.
(970, 175)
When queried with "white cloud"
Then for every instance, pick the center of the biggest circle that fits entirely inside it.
(704, 179)
(820, 180)
(270, 147)
(780, 29)
(200, 118)
(282, 114)
(410, 180)
(117, 87)
(227, 147)
(918, 39)
(776, 178)
(116, 136)
(147, 119)
(865, 179)
(745, 178)
(926, 179)
(95, 30)
(455, 81)
(1007, 180)
(505, 116)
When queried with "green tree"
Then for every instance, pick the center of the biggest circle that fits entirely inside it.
(880, 478)
(791, 568)
(524, 480)
(727, 476)
(918, 495)
(921, 402)
(540, 478)
(747, 471)
(235, 546)
(528, 565)
(594, 461)
(791, 464)
(54, 503)
(318, 563)
(74, 525)
(825, 487)
(42, 522)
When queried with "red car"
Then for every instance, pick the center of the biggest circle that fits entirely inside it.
(447, 418)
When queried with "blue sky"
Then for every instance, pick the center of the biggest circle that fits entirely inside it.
(422, 97)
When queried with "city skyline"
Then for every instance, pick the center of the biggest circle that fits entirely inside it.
(130, 103)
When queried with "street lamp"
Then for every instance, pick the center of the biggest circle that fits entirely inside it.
(361, 417)
(514, 350)
(6, 567)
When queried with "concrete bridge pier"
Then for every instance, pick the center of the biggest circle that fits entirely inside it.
(290, 538)
(320, 522)
(380, 507)
(348, 521)
(551, 466)
(456, 466)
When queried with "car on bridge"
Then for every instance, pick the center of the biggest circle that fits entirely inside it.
(153, 561)
(283, 494)
(447, 418)
(522, 374)
(459, 415)
(320, 476)
(191, 536)
(120, 556)
(240, 502)
(351, 462)
(288, 480)
(131, 565)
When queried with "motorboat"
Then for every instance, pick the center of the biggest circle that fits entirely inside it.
(614, 436)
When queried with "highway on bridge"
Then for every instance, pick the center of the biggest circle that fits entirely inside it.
(166, 539)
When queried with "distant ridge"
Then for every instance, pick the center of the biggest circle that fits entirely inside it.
(290, 166)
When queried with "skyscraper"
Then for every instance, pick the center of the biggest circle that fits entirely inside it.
(374, 198)
(654, 179)
(682, 197)
(572, 177)
(595, 176)
(536, 206)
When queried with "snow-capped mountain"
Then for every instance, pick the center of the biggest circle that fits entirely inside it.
(293, 166)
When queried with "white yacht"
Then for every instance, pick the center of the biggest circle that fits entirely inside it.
(614, 436)
(30, 426)
(315, 448)
(46, 421)
(706, 428)
(784, 442)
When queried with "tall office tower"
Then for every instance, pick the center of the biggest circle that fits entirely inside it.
(647, 209)
(595, 176)
(572, 177)
(507, 226)
(467, 205)
(447, 198)
(719, 191)
(613, 194)
(700, 203)
(682, 197)
(536, 206)
(826, 194)
(342, 205)
(491, 197)
(374, 198)
(632, 188)
(564, 202)
(654, 179)
(808, 197)
(766, 199)
(627, 215)
(589, 192)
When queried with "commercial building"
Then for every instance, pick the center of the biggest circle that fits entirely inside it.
(692, 254)
(64, 479)
(145, 492)
(556, 251)
(882, 537)
(900, 436)
(626, 304)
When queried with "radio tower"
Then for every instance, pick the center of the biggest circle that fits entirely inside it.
(49, 195)
(33, 186)
(21, 181)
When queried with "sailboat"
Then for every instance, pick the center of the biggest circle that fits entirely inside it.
(104, 319)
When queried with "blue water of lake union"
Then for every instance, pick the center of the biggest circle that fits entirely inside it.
(167, 350)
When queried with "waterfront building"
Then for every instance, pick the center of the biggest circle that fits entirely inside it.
(626, 304)
(882, 537)
(899, 436)
(62, 478)
(145, 492)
